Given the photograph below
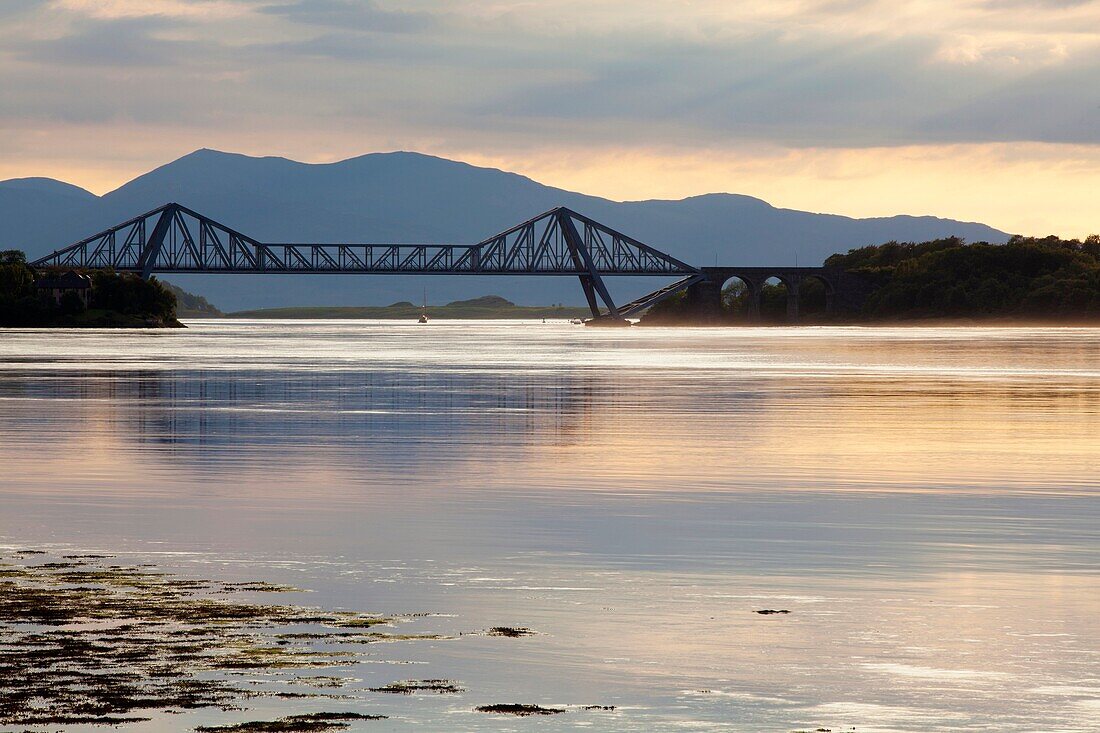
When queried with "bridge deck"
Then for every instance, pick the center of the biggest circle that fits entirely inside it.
(175, 239)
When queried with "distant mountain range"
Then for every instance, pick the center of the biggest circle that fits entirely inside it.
(409, 197)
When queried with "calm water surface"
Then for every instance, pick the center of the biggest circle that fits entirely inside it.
(925, 502)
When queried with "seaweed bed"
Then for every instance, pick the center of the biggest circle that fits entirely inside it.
(519, 710)
(86, 641)
(408, 687)
(311, 723)
(83, 641)
(510, 631)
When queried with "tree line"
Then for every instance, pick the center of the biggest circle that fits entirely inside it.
(1036, 278)
(1027, 278)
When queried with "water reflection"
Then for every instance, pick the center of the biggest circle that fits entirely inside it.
(267, 409)
(924, 500)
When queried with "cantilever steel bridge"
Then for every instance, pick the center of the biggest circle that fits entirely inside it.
(175, 239)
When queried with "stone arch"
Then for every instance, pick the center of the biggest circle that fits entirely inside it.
(816, 295)
(739, 299)
(777, 298)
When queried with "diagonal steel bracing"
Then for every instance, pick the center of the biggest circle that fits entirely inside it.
(175, 239)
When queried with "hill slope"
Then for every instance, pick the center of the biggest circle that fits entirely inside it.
(408, 197)
(36, 212)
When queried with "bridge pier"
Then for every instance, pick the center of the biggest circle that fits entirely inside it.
(704, 300)
(793, 299)
(753, 315)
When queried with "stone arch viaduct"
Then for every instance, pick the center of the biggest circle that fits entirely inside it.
(844, 291)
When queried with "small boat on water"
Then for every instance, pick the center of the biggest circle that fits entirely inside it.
(423, 308)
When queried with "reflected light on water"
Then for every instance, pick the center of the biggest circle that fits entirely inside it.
(923, 500)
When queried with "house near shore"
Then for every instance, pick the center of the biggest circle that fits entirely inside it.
(57, 286)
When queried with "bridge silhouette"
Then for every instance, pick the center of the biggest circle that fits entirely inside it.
(175, 239)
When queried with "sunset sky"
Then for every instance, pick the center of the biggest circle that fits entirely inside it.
(983, 110)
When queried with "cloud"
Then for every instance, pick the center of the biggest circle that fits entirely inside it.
(12, 8)
(124, 42)
(360, 15)
(562, 79)
(729, 73)
(194, 9)
(1051, 105)
(998, 4)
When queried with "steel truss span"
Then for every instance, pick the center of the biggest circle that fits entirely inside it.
(175, 239)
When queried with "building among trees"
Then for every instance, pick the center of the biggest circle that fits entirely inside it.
(57, 287)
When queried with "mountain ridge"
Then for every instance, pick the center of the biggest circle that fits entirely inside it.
(46, 185)
(409, 197)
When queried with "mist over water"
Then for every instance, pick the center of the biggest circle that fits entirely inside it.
(923, 500)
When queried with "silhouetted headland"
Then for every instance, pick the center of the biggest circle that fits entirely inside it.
(71, 298)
